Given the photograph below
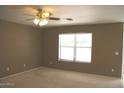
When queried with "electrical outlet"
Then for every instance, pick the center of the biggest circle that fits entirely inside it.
(51, 62)
(112, 70)
(8, 69)
(116, 53)
(24, 65)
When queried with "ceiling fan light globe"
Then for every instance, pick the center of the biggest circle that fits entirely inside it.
(36, 21)
(43, 22)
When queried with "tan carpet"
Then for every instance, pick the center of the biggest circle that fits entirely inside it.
(44, 77)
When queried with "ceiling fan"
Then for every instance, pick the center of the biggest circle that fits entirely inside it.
(42, 17)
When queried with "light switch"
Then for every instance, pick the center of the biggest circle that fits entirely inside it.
(24, 65)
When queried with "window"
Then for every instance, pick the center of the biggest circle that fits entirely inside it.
(75, 47)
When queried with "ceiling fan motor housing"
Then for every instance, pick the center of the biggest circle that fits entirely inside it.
(43, 14)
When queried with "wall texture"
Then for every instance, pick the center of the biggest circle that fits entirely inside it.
(19, 45)
(107, 39)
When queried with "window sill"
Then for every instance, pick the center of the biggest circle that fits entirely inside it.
(65, 60)
(62, 60)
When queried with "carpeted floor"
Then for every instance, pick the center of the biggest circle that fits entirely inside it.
(44, 77)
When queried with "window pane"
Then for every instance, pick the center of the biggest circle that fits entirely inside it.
(83, 54)
(84, 40)
(67, 53)
(66, 40)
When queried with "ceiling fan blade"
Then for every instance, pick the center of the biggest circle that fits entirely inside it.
(29, 15)
(68, 19)
(54, 18)
(30, 19)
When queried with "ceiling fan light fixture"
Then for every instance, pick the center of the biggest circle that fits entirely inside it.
(43, 22)
(45, 14)
(42, 17)
(36, 21)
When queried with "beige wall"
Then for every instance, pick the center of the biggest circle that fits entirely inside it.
(19, 45)
(107, 39)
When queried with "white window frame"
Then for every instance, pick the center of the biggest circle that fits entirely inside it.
(74, 58)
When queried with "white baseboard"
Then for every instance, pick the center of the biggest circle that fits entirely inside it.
(12, 75)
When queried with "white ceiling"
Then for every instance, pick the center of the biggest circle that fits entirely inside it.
(81, 14)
